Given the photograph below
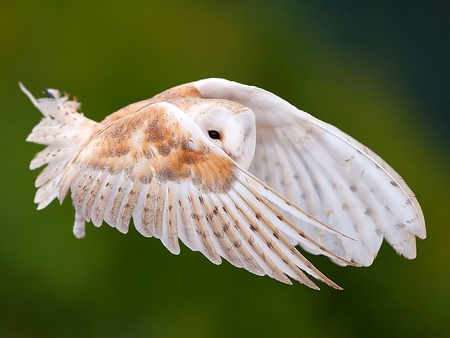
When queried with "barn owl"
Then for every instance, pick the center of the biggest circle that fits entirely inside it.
(231, 170)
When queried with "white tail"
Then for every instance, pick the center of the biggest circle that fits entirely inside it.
(63, 130)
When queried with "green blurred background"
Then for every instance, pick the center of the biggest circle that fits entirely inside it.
(378, 70)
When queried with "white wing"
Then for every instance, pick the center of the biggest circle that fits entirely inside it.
(157, 167)
(63, 130)
(328, 174)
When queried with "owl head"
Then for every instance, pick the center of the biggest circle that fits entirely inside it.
(228, 125)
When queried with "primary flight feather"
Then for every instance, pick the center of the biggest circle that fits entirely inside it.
(233, 171)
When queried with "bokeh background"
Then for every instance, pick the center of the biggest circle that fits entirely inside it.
(377, 70)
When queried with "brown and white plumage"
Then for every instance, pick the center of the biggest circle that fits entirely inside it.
(233, 171)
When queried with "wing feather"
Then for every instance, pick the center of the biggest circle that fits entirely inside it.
(147, 215)
(140, 211)
(90, 186)
(96, 200)
(112, 214)
(129, 203)
(187, 226)
(47, 192)
(161, 208)
(170, 227)
(221, 240)
(106, 198)
(80, 191)
(201, 227)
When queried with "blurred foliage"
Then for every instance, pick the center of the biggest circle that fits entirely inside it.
(369, 69)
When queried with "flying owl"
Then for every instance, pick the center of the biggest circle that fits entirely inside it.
(231, 170)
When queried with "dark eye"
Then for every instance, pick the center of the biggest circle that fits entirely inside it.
(214, 134)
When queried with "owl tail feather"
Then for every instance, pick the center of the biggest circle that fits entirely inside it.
(63, 130)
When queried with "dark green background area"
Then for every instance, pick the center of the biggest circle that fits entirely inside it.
(378, 71)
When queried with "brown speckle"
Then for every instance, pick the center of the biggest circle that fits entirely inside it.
(226, 227)
(146, 179)
(253, 227)
(349, 159)
(164, 149)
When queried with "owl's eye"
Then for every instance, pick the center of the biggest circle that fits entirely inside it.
(214, 134)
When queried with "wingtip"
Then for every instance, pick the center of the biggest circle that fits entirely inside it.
(27, 93)
(421, 232)
(23, 89)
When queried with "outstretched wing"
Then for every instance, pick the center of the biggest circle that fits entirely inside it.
(157, 167)
(329, 174)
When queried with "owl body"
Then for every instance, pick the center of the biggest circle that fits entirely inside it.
(232, 171)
